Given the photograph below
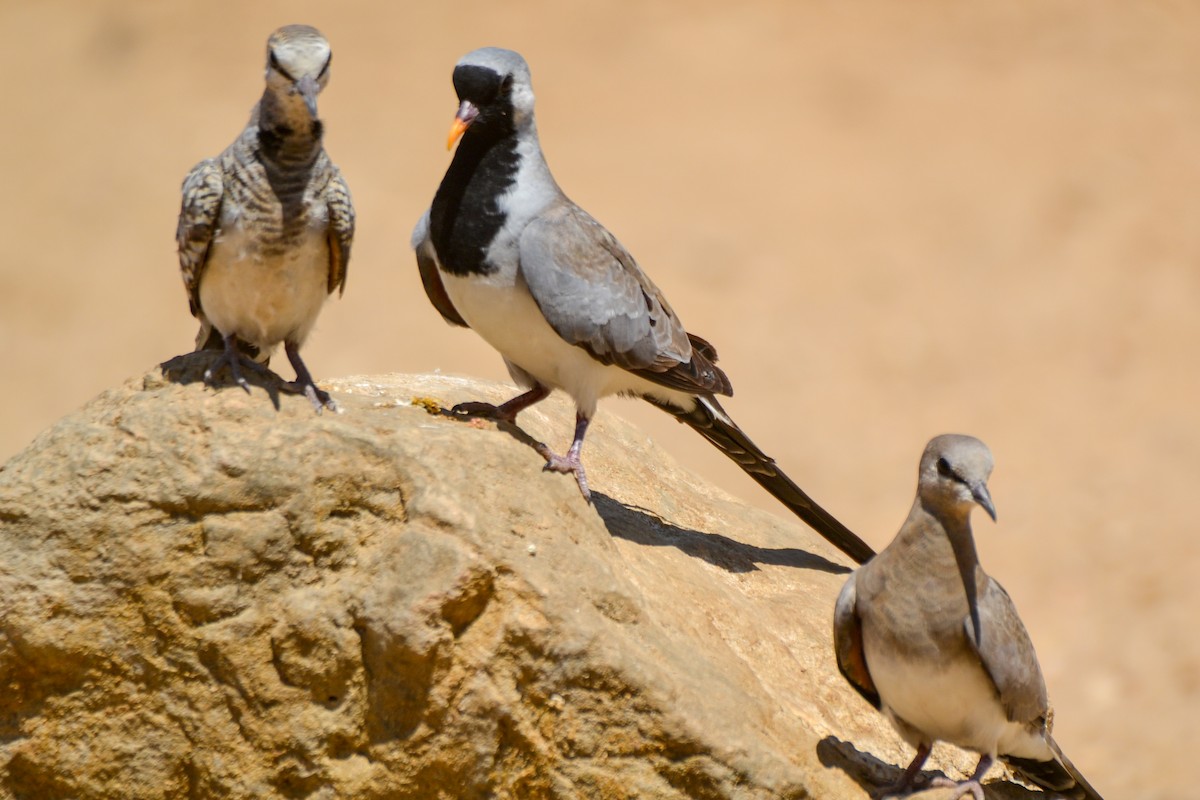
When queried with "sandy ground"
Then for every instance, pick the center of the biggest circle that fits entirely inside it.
(893, 219)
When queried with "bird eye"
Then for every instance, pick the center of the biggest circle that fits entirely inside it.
(506, 84)
(946, 471)
(273, 60)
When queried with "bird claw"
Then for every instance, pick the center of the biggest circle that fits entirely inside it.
(476, 408)
(321, 399)
(235, 361)
(569, 463)
(506, 412)
(305, 384)
(972, 787)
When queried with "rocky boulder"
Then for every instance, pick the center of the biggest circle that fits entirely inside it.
(205, 593)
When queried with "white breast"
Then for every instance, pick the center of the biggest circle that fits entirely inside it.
(951, 700)
(501, 310)
(265, 300)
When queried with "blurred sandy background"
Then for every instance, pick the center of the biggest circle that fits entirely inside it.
(893, 219)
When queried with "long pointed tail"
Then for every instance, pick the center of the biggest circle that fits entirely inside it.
(710, 420)
(1058, 775)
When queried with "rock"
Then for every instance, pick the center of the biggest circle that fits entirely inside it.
(204, 596)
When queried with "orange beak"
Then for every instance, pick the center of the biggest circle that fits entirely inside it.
(462, 120)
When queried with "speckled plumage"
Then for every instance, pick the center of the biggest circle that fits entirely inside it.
(265, 228)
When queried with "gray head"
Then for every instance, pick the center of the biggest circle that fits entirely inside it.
(298, 59)
(495, 92)
(954, 474)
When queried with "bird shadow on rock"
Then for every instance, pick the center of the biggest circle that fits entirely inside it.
(874, 775)
(190, 367)
(869, 772)
(644, 527)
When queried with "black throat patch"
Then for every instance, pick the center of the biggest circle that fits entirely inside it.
(466, 215)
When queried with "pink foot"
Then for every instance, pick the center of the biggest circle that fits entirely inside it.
(568, 463)
(972, 787)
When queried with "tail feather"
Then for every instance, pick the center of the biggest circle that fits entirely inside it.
(1058, 775)
(710, 420)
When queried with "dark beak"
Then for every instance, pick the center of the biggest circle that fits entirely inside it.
(307, 88)
(462, 120)
(980, 492)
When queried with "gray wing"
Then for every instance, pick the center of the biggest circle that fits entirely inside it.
(848, 643)
(594, 295)
(431, 279)
(203, 189)
(341, 228)
(1007, 655)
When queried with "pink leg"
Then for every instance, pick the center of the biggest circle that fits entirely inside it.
(909, 779)
(974, 787)
(571, 462)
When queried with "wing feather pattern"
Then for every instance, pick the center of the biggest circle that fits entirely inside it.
(1007, 655)
(595, 296)
(431, 279)
(848, 644)
(341, 229)
(203, 189)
